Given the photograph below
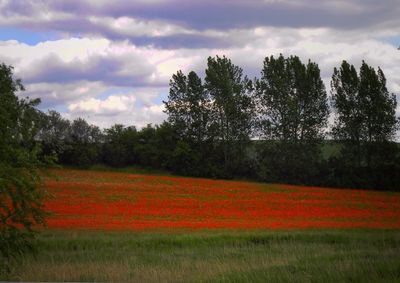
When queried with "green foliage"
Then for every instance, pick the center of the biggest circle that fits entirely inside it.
(188, 107)
(213, 121)
(364, 108)
(299, 163)
(292, 100)
(231, 110)
(345, 85)
(54, 134)
(83, 144)
(20, 194)
(189, 111)
(292, 116)
(118, 149)
(184, 159)
(365, 124)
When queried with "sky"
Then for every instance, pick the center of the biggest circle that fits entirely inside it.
(111, 61)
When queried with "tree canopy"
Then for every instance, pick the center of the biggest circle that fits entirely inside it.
(292, 100)
(293, 111)
(365, 111)
(231, 110)
(365, 124)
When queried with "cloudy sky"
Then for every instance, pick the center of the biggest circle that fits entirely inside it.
(111, 61)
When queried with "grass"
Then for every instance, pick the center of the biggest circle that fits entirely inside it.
(215, 256)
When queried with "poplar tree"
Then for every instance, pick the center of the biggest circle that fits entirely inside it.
(293, 111)
(232, 109)
(188, 106)
(188, 110)
(365, 121)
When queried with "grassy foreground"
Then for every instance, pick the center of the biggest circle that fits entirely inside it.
(238, 256)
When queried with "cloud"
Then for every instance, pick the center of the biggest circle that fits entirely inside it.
(195, 24)
(116, 109)
(224, 13)
(67, 49)
(111, 69)
(110, 106)
(55, 95)
(93, 60)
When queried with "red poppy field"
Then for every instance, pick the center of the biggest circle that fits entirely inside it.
(121, 201)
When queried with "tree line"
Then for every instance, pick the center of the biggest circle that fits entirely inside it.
(274, 128)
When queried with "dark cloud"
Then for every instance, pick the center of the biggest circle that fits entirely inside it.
(106, 69)
(173, 41)
(227, 14)
(83, 26)
(21, 8)
(182, 40)
(203, 15)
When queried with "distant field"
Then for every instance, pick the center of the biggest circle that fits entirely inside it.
(120, 227)
(121, 201)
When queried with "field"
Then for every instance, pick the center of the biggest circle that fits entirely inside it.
(113, 226)
(121, 201)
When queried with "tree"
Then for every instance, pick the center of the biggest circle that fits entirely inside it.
(292, 100)
(365, 111)
(188, 106)
(378, 106)
(119, 146)
(115, 152)
(345, 101)
(292, 115)
(54, 134)
(165, 142)
(365, 122)
(21, 196)
(84, 144)
(231, 110)
(147, 148)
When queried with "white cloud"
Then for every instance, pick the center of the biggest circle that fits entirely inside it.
(111, 105)
(66, 49)
(60, 94)
(116, 109)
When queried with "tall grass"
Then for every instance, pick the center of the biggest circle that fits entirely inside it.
(208, 256)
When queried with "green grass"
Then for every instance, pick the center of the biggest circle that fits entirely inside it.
(215, 256)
